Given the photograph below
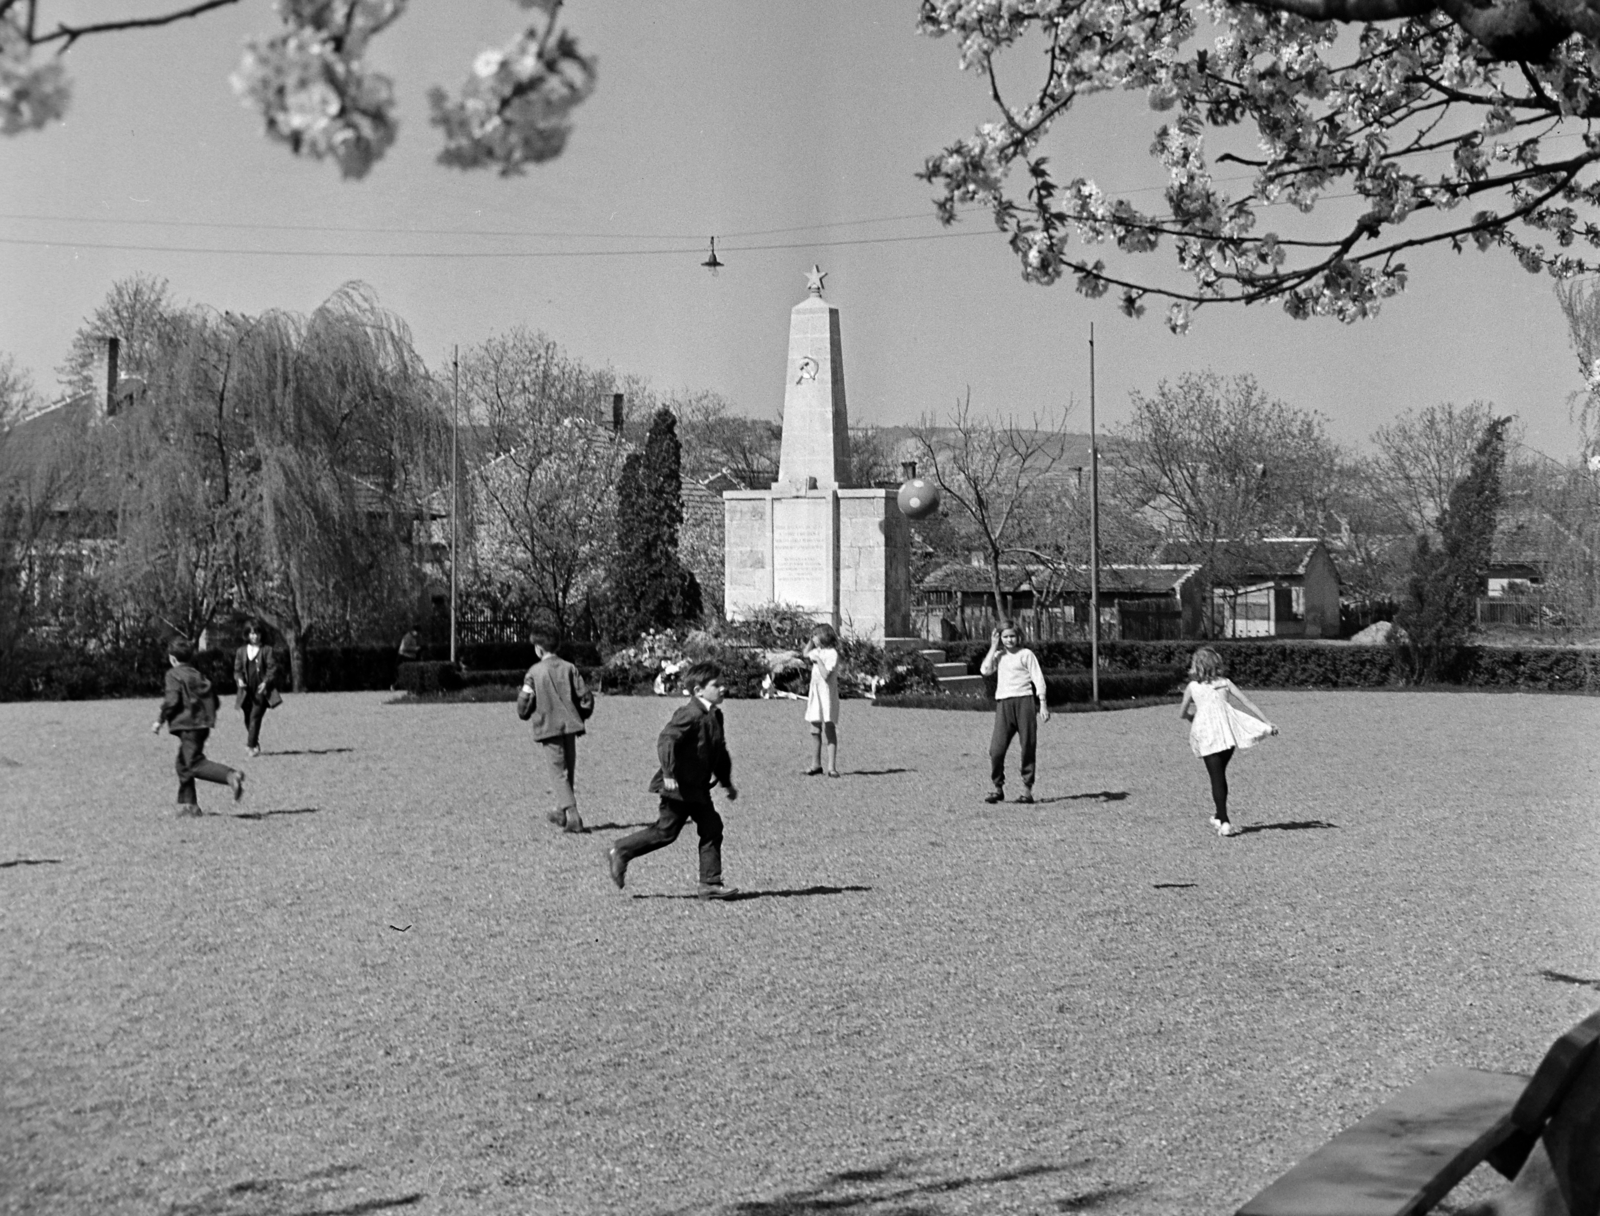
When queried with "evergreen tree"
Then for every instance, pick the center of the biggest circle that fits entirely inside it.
(1440, 609)
(650, 586)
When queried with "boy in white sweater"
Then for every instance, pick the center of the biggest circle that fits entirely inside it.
(1019, 682)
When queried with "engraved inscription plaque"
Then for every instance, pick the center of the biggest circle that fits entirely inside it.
(802, 552)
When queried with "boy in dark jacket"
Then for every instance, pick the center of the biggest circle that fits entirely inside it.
(189, 710)
(556, 700)
(694, 757)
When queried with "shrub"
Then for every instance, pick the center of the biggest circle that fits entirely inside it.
(868, 669)
(772, 627)
(428, 676)
(346, 668)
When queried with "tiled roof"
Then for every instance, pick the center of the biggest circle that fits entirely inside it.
(55, 436)
(963, 576)
(1144, 579)
(1131, 580)
(1270, 557)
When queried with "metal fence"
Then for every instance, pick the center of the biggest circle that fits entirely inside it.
(1517, 612)
(476, 630)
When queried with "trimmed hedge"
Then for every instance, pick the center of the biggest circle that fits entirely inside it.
(1313, 664)
(43, 673)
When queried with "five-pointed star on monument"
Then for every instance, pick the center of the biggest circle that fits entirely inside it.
(814, 278)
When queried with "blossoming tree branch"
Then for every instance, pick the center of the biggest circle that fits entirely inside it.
(314, 90)
(1463, 123)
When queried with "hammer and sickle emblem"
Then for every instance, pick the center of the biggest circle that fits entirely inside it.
(808, 370)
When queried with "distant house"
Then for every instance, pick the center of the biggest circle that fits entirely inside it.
(1276, 587)
(1519, 555)
(1136, 602)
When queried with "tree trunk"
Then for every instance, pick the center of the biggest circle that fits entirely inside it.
(295, 640)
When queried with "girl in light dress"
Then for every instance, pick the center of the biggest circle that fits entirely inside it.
(822, 705)
(1216, 728)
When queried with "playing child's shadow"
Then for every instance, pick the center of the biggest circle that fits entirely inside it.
(311, 751)
(875, 772)
(1293, 825)
(1098, 796)
(740, 896)
(295, 810)
(1561, 977)
(30, 861)
(615, 827)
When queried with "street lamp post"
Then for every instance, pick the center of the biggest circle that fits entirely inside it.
(1094, 537)
(455, 493)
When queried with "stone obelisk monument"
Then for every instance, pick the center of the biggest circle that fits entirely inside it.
(813, 541)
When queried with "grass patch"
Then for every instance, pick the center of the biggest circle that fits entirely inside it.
(423, 997)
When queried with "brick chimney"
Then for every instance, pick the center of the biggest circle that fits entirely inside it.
(616, 412)
(113, 351)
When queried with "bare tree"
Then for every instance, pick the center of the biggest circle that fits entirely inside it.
(992, 474)
(544, 520)
(872, 457)
(1220, 465)
(141, 313)
(18, 396)
(1421, 456)
(715, 439)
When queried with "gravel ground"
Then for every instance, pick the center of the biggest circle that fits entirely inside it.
(384, 983)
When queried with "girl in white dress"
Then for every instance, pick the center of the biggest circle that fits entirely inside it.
(822, 705)
(1216, 728)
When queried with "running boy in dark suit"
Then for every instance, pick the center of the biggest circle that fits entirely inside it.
(555, 699)
(694, 757)
(189, 710)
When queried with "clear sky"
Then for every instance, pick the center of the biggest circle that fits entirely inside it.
(791, 131)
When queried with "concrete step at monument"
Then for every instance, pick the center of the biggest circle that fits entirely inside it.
(949, 671)
(966, 685)
(933, 656)
(896, 645)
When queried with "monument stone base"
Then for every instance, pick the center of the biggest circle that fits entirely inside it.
(842, 555)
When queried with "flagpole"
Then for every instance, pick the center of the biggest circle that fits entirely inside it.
(1094, 537)
(455, 493)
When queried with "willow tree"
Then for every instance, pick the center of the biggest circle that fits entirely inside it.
(1455, 123)
(283, 465)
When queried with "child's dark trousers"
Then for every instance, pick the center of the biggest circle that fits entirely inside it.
(254, 712)
(675, 812)
(1014, 716)
(192, 764)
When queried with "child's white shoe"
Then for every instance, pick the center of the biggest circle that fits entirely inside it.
(1228, 828)
(1215, 822)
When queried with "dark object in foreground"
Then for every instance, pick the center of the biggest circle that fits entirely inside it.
(1407, 1155)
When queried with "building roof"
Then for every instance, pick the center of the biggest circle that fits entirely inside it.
(53, 439)
(1114, 580)
(964, 576)
(1266, 558)
(1145, 579)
